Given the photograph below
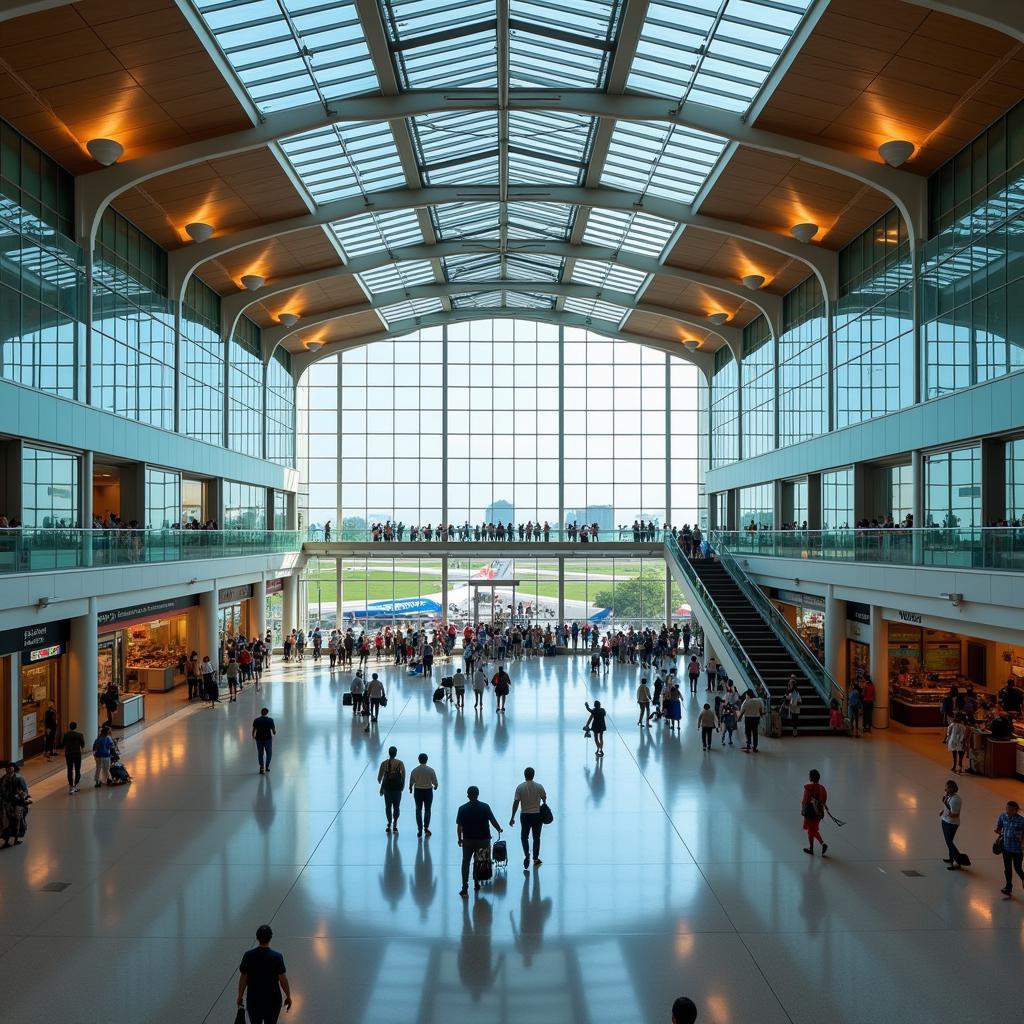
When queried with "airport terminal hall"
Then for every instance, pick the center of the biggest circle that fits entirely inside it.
(511, 511)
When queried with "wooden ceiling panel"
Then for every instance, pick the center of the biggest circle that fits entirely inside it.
(349, 328)
(882, 69)
(660, 329)
(334, 293)
(697, 301)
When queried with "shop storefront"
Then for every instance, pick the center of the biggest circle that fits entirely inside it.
(141, 648)
(34, 661)
(275, 610)
(806, 614)
(235, 613)
(858, 646)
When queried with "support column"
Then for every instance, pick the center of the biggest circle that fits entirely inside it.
(561, 590)
(86, 509)
(83, 684)
(917, 486)
(668, 595)
(209, 625)
(835, 638)
(259, 608)
(289, 603)
(444, 590)
(339, 592)
(880, 668)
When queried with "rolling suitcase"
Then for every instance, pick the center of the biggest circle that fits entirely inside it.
(438, 695)
(346, 700)
(483, 867)
(499, 853)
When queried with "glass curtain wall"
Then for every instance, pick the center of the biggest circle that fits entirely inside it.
(952, 495)
(49, 488)
(245, 390)
(725, 410)
(1014, 512)
(280, 418)
(757, 507)
(163, 499)
(245, 506)
(202, 364)
(837, 499)
(758, 391)
(900, 488)
(803, 364)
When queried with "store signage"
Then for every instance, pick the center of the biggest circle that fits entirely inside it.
(144, 611)
(53, 651)
(275, 586)
(802, 600)
(29, 638)
(913, 617)
(29, 727)
(857, 612)
(231, 594)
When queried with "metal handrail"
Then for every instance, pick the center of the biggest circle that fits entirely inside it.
(754, 678)
(813, 670)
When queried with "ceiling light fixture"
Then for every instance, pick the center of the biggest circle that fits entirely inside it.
(691, 345)
(288, 319)
(314, 346)
(718, 318)
(804, 232)
(198, 231)
(253, 282)
(105, 151)
(753, 281)
(896, 152)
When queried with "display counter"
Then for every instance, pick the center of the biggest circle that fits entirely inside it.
(1001, 758)
(917, 706)
(130, 710)
(1020, 759)
(156, 680)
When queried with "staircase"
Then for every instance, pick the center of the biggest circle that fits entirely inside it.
(770, 656)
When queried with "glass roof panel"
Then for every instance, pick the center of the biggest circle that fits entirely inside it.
(635, 232)
(659, 159)
(346, 159)
(530, 63)
(377, 232)
(290, 52)
(596, 308)
(398, 275)
(549, 221)
(473, 267)
(607, 275)
(457, 148)
(687, 52)
(548, 146)
(465, 220)
(533, 267)
(529, 300)
(410, 308)
(477, 300)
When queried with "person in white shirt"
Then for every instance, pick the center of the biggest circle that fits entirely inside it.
(751, 711)
(422, 783)
(459, 686)
(529, 796)
(792, 704)
(950, 819)
(479, 685)
(643, 698)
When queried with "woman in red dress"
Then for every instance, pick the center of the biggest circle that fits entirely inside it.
(812, 807)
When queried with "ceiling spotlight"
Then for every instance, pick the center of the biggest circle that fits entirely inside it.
(718, 318)
(314, 346)
(896, 152)
(198, 231)
(690, 345)
(253, 282)
(804, 232)
(753, 281)
(105, 151)
(288, 319)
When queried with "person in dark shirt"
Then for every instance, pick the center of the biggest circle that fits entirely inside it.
(262, 979)
(1011, 697)
(473, 826)
(74, 744)
(263, 732)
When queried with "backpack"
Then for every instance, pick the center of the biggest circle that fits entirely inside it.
(393, 781)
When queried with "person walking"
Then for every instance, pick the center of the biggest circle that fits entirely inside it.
(232, 672)
(459, 686)
(473, 826)
(751, 711)
(261, 980)
(673, 707)
(110, 700)
(74, 745)
(211, 688)
(528, 798)
(728, 721)
(422, 785)
(374, 697)
(50, 731)
(14, 804)
(391, 776)
(868, 702)
(1010, 830)
(103, 749)
(643, 698)
(956, 741)
(813, 805)
(711, 670)
(263, 732)
(949, 818)
(194, 677)
(596, 724)
(791, 704)
(501, 682)
(693, 672)
(707, 722)
(479, 685)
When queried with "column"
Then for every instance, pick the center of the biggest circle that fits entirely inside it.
(289, 603)
(83, 685)
(668, 595)
(835, 638)
(209, 624)
(561, 589)
(444, 590)
(259, 608)
(880, 668)
(917, 472)
(85, 501)
(339, 592)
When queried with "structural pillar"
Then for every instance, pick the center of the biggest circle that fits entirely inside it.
(10, 744)
(339, 592)
(917, 486)
(209, 625)
(259, 608)
(880, 668)
(444, 591)
(668, 595)
(83, 683)
(561, 590)
(85, 501)
(289, 604)
(835, 638)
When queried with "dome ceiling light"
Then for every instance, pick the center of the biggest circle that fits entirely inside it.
(288, 319)
(105, 151)
(253, 282)
(314, 346)
(896, 152)
(718, 318)
(691, 345)
(753, 281)
(804, 232)
(198, 231)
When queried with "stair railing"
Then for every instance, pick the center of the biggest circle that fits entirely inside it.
(700, 592)
(794, 643)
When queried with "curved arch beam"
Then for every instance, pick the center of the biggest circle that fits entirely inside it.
(274, 336)
(233, 306)
(93, 192)
(183, 262)
(704, 361)
(1000, 15)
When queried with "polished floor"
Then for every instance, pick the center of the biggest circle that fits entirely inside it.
(667, 871)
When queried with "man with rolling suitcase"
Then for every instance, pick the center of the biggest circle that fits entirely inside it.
(472, 824)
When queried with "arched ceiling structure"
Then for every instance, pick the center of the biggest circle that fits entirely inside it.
(626, 164)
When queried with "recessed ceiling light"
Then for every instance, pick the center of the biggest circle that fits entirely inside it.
(105, 151)
(753, 281)
(288, 319)
(690, 345)
(718, 318)
(314, 346)
(896, 152)
(253, 282)
(198, 231)
(804, 232)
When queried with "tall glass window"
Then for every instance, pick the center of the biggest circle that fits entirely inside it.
(837, 499)
(280, 510)
(689, 423)
(245, 390)
(757, 506)
(952, 495)
(972, 279)
(873, 328)
(803, 364)
(725, 410)
(758, 402)
(245, 506)
(794, 503)
(900, 488)
(49, 488)
(280, 399)
(721, 500)
(163, 499)
(1015, 482)
(202, 364)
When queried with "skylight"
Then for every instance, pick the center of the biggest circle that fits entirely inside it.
(596, 309)
(460, 147)
(607, 275)
(410, 308)
(378, 232)
(635, 232)
(397, 275)
(548, 147)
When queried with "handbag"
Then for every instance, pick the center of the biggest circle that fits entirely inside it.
(383, 702)
(997, 846)
(240, 1016)
(546, 815)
